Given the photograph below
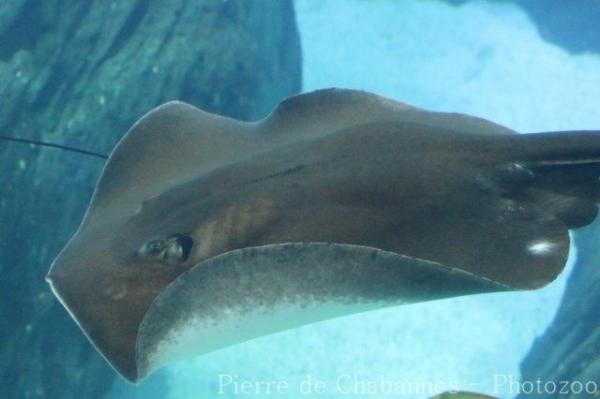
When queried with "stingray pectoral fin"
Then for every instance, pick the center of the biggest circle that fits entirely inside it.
(251, 292)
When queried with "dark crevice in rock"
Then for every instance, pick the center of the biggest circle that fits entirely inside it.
(127, 29)
(24, 32)
(171, 29)
(289, 30)
(50, 88)
(83, 8)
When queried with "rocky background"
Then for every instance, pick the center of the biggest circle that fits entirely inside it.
(572, 25)
(80, 73)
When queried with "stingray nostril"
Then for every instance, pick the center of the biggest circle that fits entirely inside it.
(116, 291)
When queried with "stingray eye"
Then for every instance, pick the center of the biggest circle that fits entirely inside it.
(178, 249)
(173, 250)
(154, 249)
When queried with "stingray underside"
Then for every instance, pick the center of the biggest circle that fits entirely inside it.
(252, 292)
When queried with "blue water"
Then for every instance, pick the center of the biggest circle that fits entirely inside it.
(482, 58)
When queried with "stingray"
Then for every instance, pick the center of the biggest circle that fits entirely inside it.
(204, 231)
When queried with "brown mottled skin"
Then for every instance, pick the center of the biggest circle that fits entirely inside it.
(446, 191)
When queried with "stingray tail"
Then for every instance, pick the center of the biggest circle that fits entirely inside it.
(52, 145)
(559, 172)
(556, 148)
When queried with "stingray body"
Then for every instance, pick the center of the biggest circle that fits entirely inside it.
(206, 231)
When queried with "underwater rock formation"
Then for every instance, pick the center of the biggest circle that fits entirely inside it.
(568, 353)
(572, 25)
(80, 73)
